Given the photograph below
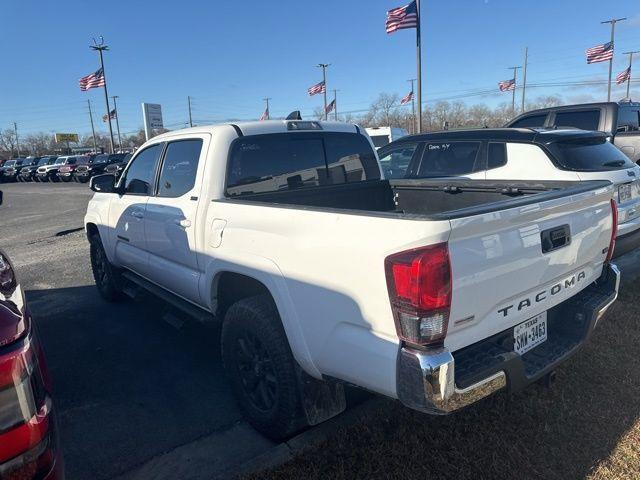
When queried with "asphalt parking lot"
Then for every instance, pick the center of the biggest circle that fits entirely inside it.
(136, 396)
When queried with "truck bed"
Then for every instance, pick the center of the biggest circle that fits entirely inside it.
(437, 199)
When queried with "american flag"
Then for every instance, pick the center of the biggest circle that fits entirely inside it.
(329, 108)
(317, 88)
(624, 76)
(506, 85)
(600, 53)
(265, 115)
(402, 17)
(407, 98)
(112, 114)
(93, 80)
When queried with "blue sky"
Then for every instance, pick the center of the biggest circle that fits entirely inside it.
(230, 55)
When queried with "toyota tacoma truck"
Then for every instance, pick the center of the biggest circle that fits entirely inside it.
(435, 292)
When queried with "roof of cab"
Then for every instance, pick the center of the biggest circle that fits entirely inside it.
(531, 135)
(262, 127)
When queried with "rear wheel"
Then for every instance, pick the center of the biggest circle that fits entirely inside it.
(105, 275)
(261, 368)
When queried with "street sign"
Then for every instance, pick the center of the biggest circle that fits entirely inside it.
(152, 116)
(66, 137)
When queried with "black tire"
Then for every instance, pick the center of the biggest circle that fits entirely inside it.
(82, 179)
(105, 275)
(261, 368)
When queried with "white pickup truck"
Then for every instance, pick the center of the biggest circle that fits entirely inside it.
(433, 292)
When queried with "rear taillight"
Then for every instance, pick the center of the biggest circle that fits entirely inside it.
(419, 284)
(25, 408)
(614, 230)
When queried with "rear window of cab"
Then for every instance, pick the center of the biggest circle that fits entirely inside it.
(287, 161)
(594, 154)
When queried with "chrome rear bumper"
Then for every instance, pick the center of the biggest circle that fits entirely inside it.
(426, 379)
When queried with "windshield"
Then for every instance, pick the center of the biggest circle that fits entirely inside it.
(590, 155)
(101, 158)
(380, 140)
(10, 163)
(60, 161)
(43, 161)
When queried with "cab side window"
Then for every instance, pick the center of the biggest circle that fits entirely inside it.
(530, 121)
(178, 175)
(496, 155)
(628, 119)
(395, 161)
(139, 176)
(447, 159)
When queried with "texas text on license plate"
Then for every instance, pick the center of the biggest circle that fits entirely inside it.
(530, 334)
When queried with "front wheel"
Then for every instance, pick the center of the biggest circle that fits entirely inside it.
(105, 275)
(261, 368)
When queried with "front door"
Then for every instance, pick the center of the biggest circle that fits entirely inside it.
(127, 211)
(170, 219)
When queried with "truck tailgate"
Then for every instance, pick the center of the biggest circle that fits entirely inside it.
(503, 275)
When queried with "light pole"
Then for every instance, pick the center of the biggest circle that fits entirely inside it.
(15, 129)
(101, 47)
(613, 22)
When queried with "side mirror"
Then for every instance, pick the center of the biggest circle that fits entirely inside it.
(103, 183)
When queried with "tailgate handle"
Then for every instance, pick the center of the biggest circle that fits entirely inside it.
(555, 238)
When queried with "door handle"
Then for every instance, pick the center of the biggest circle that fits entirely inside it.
(137, 214)
(184, 223)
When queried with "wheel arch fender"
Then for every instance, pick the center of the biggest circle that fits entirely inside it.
(94, 224)
(266, 273)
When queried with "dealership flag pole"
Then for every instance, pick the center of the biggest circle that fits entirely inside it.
(630, 72)
(115, 109)
(100, 47)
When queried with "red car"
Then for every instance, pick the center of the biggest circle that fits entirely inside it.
(65, 172)
(28, 438)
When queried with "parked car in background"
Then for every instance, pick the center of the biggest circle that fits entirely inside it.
(66, 171)
(97, 166)
(49, 173)
(523, 154)
(381, 136)
(620, 121)
(435, 292)
(29, 448)
(12, 168)
(27, 174)
(116, 168)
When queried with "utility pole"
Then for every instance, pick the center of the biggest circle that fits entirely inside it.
(413, 106)
(93, 130)
(513, 98)
(15, 129)
(630, 64)
(324, 82)
(419, 66)
(190, 118)
(101, 47)
(115, 107)
(335, 105)
(613, 22)
(267, 110)
(524, 75)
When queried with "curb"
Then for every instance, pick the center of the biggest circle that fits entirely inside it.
(306, 440)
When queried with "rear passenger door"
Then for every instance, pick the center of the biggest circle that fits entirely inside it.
(170, 218)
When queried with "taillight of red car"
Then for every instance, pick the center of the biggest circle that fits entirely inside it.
(28, 447)
(419, 284)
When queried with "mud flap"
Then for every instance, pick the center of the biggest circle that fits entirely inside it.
(321, 400)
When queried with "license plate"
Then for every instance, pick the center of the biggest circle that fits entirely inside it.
(624, 192)
(530, 334)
